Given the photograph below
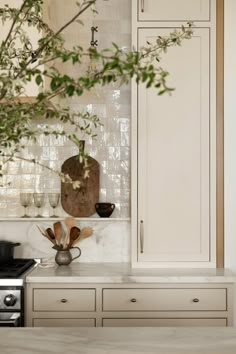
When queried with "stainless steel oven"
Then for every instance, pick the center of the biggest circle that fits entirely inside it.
(11, 306)
(12, 277)
(8, 319)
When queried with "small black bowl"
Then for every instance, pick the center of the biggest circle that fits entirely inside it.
(104, 210)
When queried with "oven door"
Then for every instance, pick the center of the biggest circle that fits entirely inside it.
(10, 319)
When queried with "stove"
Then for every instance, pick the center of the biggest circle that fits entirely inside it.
(14, 268)
(12, 276)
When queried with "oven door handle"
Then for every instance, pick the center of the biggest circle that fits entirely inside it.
(13, 320)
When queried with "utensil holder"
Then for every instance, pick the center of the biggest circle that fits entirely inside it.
(64, 257)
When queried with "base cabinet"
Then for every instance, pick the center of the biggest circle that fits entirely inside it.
(129, 305)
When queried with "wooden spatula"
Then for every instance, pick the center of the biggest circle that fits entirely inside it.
(69, 222)
(84, 233)
(50, 235)
(58, 232)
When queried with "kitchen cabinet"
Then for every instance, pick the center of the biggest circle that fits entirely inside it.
(173, 10)
(175, 151)
(128, 304)
(61, 306)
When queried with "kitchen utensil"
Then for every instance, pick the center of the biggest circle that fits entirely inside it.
(74, 235)
(51, 235)
(104, 210)
(69, 222)
(58, 232)
(45, 234)
(64, 257)
(42, 231)
(80, 201)
(7, 250)
(85, 232)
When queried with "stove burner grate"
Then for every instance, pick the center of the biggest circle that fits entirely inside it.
(15, 267)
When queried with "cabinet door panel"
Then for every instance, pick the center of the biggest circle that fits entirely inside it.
(173, 10)
(174, 155)
(63, 322)
(164, 322)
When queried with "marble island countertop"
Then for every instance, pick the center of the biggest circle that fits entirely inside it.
(123, 273)
(118, 340)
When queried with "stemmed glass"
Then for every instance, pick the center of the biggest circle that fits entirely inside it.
(26, 201)
(53, 201)
(38, 202)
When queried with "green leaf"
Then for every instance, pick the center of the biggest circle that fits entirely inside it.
(38, 79)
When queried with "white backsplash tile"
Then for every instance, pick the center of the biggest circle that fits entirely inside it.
(110, 241)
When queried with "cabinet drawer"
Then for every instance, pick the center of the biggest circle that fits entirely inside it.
(63, 322)
(64, 300)
(164, 322)
(173, 10)
(164, 299)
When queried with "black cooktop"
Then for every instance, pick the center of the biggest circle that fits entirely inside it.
(15, 267)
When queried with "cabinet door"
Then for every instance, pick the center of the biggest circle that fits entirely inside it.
(173, 10)
(164, 322)
(174, 156)
(63, 322)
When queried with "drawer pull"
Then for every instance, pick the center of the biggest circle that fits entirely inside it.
(141, 236)
(64, 301)
(142, 5)
(133, 300)
(195, 300)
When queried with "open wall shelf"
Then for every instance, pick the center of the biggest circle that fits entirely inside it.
(62, 218)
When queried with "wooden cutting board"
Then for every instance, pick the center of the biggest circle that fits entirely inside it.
(80, 202)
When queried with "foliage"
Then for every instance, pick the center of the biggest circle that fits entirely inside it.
(20, 63)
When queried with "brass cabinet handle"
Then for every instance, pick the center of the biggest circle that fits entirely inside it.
(133, 300)
(141, 236)
(142, 5)
(64, 300)
(196, 300)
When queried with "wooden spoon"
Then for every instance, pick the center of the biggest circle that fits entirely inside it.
(74, 235)
(84, 233)
(45, 234)
(69, 222)
(58, 232)
(51, 235)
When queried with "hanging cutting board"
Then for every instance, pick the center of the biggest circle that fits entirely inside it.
(81, 201)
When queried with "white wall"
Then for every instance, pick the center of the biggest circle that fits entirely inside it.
(230, 134)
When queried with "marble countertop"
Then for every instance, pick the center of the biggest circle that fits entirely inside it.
(118, 340)
(123, 273)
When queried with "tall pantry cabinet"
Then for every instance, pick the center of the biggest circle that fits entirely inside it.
(177, 202)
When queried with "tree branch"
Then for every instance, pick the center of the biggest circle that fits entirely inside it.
(40, 49)
(14, 22)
